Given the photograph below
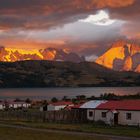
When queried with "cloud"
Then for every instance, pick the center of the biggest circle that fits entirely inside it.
(101, 18)
(54, 23)
(132, 30)
(91, 58)
(38, 14)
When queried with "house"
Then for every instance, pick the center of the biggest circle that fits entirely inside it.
(90, 106)
(59, 105)
(123, 112)
(16, 105)
(2, 105)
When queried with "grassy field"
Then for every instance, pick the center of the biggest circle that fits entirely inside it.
(22, 134)
(101, 129)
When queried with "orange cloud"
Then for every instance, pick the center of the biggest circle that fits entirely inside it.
(28, 44)
(113, 3)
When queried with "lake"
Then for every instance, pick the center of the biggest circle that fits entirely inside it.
(48, 93)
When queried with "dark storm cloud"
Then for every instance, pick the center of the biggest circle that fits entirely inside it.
(49, 13)
(130, 12)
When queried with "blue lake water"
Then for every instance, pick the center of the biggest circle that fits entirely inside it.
(47, 93)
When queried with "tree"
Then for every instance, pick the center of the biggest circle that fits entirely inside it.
(65, 98)
(81, 97)
(54, 99)
(17, 100)
(44, 102)
(28, 100)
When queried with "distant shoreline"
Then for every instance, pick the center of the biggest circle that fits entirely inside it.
(59, 92)
(55, 87)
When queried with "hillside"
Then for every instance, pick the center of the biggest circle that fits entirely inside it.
(62, 74)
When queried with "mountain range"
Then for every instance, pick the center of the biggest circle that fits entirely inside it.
(53, 54)
(50, 67)
(122, 56)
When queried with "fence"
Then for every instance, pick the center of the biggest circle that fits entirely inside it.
(71, 116)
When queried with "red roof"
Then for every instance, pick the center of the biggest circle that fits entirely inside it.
(61, 103)
(121, 105)
(77, 106)
(73, 107)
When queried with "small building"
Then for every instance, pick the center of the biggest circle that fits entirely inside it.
(123, 112)
(16, 105)
(59, 105)
(2, 105)
(90, 106)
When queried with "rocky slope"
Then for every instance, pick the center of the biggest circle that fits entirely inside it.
(12, 55)
(122, 56)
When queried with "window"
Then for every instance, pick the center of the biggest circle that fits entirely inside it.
(128, 116)
(90, 113)
(103, 114)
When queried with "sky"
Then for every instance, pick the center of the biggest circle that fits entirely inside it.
(87, 27)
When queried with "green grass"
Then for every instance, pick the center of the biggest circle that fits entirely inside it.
(94, 128)
(22, 134)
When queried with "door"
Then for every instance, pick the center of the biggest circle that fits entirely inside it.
(116, 118)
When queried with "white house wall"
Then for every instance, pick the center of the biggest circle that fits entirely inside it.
(60, 107)
(97, 115)
(90, 118)
(110, 118)
(107, 119)
(53, 108)
(26, 105)
(2, 107)
(135, 118)
(19, 105)
(50, 107)
(15, 105)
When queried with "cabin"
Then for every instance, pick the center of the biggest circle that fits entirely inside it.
(123, 112)
(60, 105)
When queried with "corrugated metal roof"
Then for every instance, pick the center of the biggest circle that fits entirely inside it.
(92, 104)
